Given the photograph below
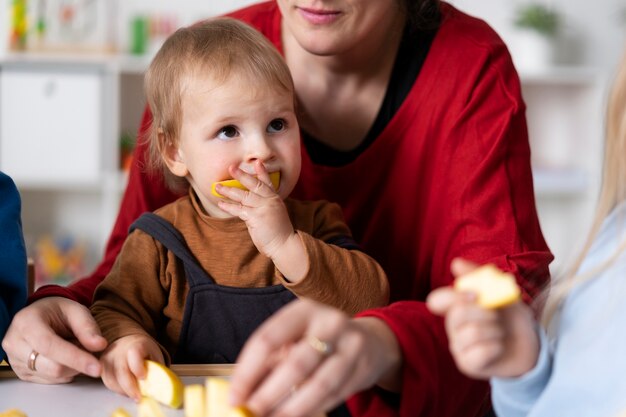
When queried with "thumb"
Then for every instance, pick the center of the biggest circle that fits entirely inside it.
(461, 266)
(440, 301)
(84, 327)
(137, 362)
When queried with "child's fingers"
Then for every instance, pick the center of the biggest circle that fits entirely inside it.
(239, 196)
(475, 334)
(128, 381)
(254, 185)
(111, 382)
(234, 209)
(477, 360)
(461, 266)
(136, 363)
(463, 314)
(441, 300)
(262, 174)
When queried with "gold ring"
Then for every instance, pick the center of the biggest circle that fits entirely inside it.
(323, 348)
(31, 360)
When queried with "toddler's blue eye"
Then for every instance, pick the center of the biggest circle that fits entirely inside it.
(276, 125)
(227, 132)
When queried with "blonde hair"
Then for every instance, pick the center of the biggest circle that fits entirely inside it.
(612, 193)
(217, 48)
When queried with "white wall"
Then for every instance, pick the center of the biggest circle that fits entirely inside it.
(593, 26)
(593, 29)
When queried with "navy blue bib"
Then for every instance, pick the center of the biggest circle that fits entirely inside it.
(218, 319)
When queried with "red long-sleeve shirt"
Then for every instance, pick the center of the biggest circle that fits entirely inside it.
(449, 176)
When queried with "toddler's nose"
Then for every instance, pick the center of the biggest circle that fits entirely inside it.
(258, 148)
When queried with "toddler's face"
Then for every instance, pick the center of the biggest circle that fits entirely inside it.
(237, 123)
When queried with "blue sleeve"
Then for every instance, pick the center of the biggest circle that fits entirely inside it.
(12, 255)
(515, 397)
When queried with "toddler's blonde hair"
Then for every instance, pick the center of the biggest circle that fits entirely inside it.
(217, 48)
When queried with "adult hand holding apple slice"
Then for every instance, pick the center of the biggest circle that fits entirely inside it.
(162, 385)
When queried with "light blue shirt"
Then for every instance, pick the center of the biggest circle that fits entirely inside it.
(583, 371)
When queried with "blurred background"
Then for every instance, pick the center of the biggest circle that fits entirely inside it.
(71, 99)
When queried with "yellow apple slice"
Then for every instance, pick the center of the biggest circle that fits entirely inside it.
(274, 178)
(13, 412)
(194, 400)
(493, 287)
(120, 412)
(217, 400)
(148, 407)
(162, 385)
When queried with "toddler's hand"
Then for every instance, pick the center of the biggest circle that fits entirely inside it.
(486, 343)
(260, 207)
(123, 363)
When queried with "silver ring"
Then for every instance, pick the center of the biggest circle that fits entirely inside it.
(31, 360)
(321, 347)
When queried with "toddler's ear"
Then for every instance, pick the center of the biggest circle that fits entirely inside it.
(172, 156)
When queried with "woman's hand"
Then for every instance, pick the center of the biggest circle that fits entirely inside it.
(62, 332)
(486, 343)
(308, 358)
(123, 363)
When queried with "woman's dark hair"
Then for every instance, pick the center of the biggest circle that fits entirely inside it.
(422, 14)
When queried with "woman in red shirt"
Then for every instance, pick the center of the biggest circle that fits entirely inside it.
(412, 120)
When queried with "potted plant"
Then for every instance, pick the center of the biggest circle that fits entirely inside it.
(539, 18)
(537, 28)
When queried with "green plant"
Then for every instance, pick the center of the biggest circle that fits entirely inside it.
(538, 17)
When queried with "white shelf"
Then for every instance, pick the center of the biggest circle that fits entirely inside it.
(114, 182)
(122, 63)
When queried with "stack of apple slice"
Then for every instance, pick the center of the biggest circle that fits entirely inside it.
(161, 385)
(211, 400)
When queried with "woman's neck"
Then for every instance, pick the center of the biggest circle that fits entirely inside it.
(340, 95)
(368, 59)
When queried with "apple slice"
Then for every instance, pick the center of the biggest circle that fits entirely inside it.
(274, 178)
(217, 400)
(194, 400)
(161, 384)
(148, 407)
(120, 412)
(493, 287)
